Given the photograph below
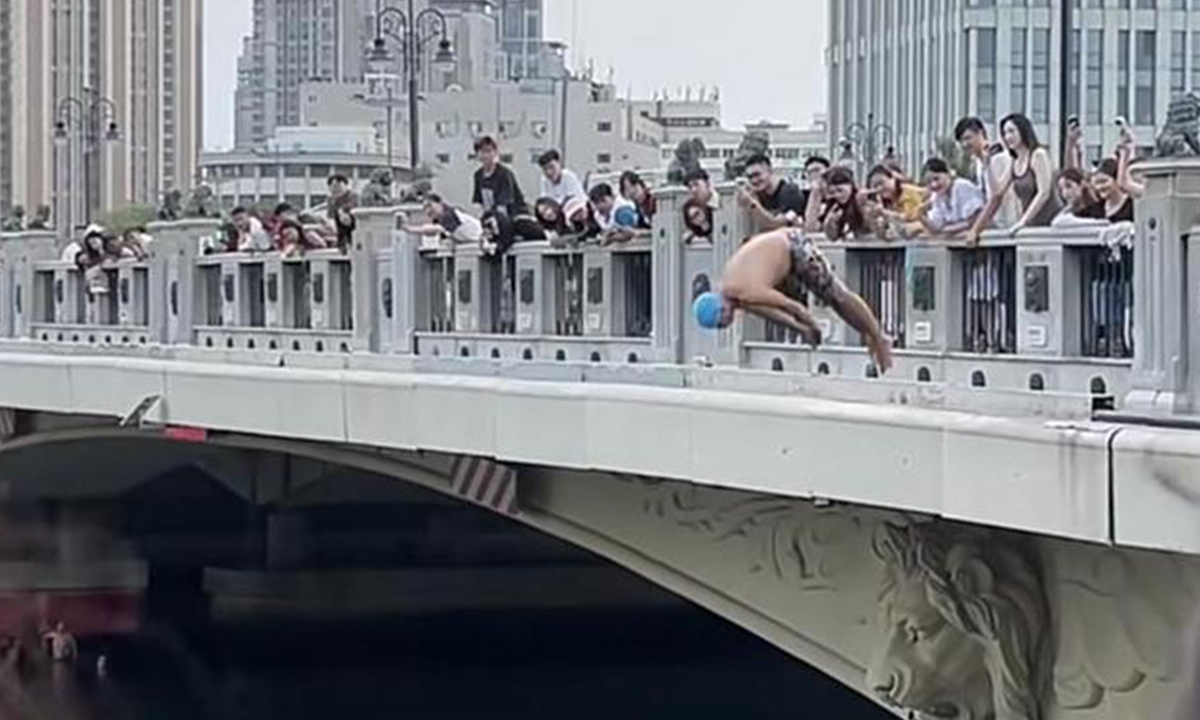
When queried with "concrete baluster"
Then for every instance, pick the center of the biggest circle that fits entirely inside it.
(1047, 315)
(173, 277)
(536, 288)
(932, 316)
(320, 291)
(408, 290)
(674, 336)
(600, 292)
(731, 228)
(372, 261)
(19, 252)
(472, 304)
(273, 281)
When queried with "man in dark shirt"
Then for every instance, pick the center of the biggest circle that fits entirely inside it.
(496, 188)
(772, 201)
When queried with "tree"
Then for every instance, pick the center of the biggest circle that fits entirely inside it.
(129, 217)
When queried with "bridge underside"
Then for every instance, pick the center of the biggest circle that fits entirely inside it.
(917, 612)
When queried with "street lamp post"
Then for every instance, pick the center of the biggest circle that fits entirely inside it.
(88, 115)
(868, 136)
(413, 31)
(1064, 77)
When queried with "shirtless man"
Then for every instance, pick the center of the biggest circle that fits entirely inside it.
(766, 274)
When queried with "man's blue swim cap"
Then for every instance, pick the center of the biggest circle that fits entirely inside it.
(709, 308)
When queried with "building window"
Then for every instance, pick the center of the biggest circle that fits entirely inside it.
(604, 126)
(1144, 81)
(1020, 44)
(603, 158)
(1178, 63)
(1095, 77)
(985, 80)
(1123, 72)
(1040, 66)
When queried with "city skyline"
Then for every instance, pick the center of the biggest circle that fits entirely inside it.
(627, 37)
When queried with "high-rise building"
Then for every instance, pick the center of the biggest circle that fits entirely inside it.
(521, 37)
(292, 42)
(313, 41)
(100, 103)
(901, 72)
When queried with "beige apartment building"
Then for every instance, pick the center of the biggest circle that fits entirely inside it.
(100, 103)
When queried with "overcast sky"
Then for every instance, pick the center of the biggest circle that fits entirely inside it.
(765, 55)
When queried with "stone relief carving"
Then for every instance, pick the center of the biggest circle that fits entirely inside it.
(965, 622)
(1121, 634)
(795, 541)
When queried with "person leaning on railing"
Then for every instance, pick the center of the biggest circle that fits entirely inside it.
(1031, 178)
(835, 206)
(900, 204)
(634, 189)
(954, 203)
(444, 221)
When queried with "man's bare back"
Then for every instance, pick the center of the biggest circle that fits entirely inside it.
(752, 279)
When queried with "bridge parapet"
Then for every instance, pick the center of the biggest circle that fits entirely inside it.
(1049, 311)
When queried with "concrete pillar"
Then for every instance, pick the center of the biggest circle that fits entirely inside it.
(1165, 316)
(173, 277)
(731, 227)
(375, 238)
(933, 315)
(21, 252)
(408, 292)
(1047, 314)
(671, 333)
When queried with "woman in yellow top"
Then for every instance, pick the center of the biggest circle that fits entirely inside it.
(902, 204)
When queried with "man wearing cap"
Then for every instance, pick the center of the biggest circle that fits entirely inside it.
(765, 276)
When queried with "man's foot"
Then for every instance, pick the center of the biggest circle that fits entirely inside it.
(881, 350)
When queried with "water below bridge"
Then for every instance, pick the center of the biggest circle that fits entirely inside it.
(183, 655)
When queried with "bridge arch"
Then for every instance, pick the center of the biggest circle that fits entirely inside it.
(809, 577)
(430, 471)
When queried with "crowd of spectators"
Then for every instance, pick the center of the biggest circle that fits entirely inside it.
(1012, 185)
(564, 211)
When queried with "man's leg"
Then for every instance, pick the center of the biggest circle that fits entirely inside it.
(855, 311)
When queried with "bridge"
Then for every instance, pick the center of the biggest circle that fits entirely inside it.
(1004, 526)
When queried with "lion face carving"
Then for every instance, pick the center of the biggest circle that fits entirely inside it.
(965, 626)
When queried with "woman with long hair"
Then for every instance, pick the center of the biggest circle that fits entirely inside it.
(1031, 179)
(1116, 200)
(1079, 198)
(836, 207)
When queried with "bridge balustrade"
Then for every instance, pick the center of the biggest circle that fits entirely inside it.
(1048, 310)
(561, 301)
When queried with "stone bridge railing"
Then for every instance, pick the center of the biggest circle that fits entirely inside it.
(1052, 311)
